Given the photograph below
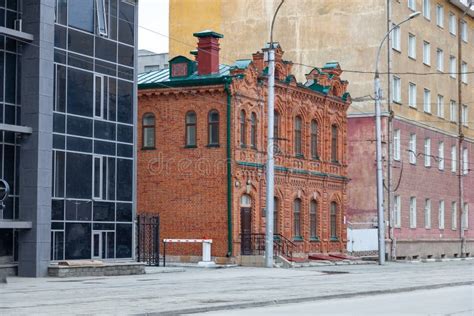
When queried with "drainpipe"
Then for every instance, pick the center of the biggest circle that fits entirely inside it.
(228, 81)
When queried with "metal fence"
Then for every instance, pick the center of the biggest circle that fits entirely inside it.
(148, 239)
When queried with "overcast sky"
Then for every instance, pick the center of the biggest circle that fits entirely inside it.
(153, 16)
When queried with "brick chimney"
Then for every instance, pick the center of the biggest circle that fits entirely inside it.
(208, 52)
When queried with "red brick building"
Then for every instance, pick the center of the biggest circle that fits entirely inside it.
(202, 136)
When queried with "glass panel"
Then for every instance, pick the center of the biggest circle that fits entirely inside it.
(61, 7)
(126, 23)
(10, 78)
(124, 179)
(80, 92)
(104, 211)
(105, 49)
(104, 130)
(81, 14)
(125, 55)
(81, 42)
(57, 210)
(78, 241)
(78, 176)
(96, 245)
(60, 36)
(124, 241)
(78, 210)
(97, 174)
(124, 212)
(58, 249)
(101, 18)
(125, 103)
(110, 245)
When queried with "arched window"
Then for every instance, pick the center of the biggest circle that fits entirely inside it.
(246, 201)
(334, 142)
(243, 129)
(333, 220)
(314, 140)
(313, 221)
(297, 219)
(148, 132)
(275, 216)
(213, 131)
(276, 128)
(253, 130)
(298, 128)
(191, 129)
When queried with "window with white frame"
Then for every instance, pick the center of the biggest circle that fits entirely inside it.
(427, 152)
(412, 95)
(396, 38)
(396, 144)
(440, 60)
(453, 111)
(427, 213)
(454, 158)
(412, 46)
(452, 23)
(427, 9)
(397, 208)
(464, 115)
(452, 66)
(427, 101)
(464, 32)
(412, 148)
(441, 215)
(440, 106)
(412, 212)
(465, 216)
(101, 18)
(426, 53)
(465, 162)
(412, 5)
(441, 156)
(464, 72)
(440, 15)
(99, 97)
(454, 217)
(396, 84)
(104, 168)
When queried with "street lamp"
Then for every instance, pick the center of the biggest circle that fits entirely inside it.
(378, 148)
(270, 162)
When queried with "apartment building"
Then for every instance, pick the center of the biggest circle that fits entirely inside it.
(426, 67)
(67, 73)
(151, 61)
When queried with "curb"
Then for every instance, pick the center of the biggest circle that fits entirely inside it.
(305, 299)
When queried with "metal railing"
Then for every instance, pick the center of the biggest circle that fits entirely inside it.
(254, 244)
(148, 239)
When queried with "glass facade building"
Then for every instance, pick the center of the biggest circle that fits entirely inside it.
(87, 102)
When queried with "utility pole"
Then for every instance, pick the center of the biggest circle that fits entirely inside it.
(270, 168)
(378, 147)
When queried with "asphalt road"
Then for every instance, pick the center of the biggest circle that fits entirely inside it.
(458, 301)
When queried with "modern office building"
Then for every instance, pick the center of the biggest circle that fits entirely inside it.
(428, 124)
(150, 61)
(68, 104)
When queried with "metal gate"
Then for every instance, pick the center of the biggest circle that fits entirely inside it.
(148, 245)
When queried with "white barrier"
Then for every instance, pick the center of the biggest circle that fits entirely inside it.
(206, 250)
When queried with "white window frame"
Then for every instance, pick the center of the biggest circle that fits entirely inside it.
(454, 158)
(464, 115)
(412, 95)
(440, 60)
(464, 72)
(441, 214)
(428, 213)
(427, 100)
(396, 144)
(101, 18)
(440, 16)
(101, 102)
(452, 66)
(100, 160)
(412, 5)
(465, 216)
(412, 146)
(426, 53)
(453, 111)
(465, 161)
(440, 105)
(396, 88)
(441, 155)
(452, 23)
(397, 209)
(427, 152)
(396, 45)
(454, 216)
(464, 31)
(427, 9)
(412, 46)
(412, 212)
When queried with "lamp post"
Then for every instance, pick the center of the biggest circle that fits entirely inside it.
(378, 148)
(270, 185)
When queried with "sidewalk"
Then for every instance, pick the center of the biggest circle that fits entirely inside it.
(198, 290)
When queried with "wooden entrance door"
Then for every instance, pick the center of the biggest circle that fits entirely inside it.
(246, 230)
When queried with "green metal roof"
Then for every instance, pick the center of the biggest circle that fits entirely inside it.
(207, 33)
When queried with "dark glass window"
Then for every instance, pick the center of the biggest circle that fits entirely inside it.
(57, 245)
(78, 241)
(61, 12)
(125, 55)
(105, 49)
(125, 102)
(124, 212)
(80, 92)
(333, 220)
(191, 129)
(2, 68)
(78, 210)
(148, 127)
(81, 14)
(112, 105)
(124, 179)
(104, 148)
(104, 211)
(59, 161)
(314, 140)
(78, 176)
(101, 17)
(213, 127)
(124, 133)
(298, 132)
(297, 218)
(124, 241)
(253, 130)
(275, 215)
(334, 142)
(81, 42)
(60, 89)
(57, 210)
(313, 211)
(126, 23)
(79, 126)
(104, 130)
(243, 129)
(60, 36)
(79, 144)
(10, 78)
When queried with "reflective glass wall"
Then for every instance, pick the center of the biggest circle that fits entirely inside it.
(93, 129)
